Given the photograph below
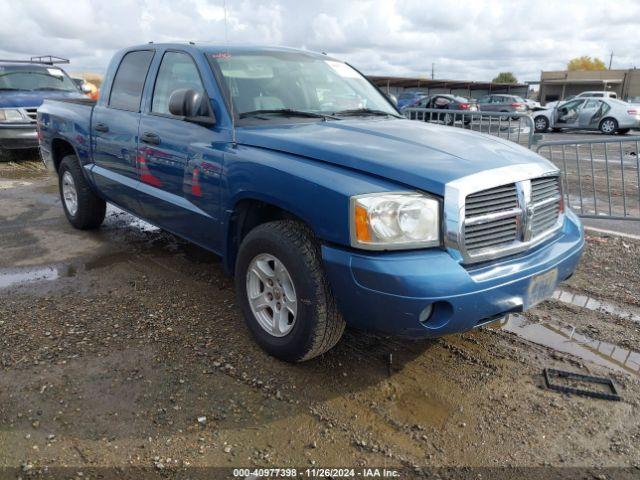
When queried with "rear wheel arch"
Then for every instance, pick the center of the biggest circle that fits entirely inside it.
(61, 148)
(603, 125)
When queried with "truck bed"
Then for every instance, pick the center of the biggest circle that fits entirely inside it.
(68, 120)
(80, 101)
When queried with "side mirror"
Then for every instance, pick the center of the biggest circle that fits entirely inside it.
(192, 106)
(393, 98)
(85, 88)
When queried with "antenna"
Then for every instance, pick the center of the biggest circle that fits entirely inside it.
(226, 42)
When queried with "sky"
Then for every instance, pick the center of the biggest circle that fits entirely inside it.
(466, 39)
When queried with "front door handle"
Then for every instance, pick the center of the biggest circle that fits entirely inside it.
(150, 137)
(101, 127)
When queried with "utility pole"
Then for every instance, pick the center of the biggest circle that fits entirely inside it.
(433, 66)
(610, 60)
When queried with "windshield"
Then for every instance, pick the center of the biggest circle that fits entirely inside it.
(296, 81)
(35, 78)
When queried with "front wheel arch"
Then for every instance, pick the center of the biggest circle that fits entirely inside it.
(248, 213)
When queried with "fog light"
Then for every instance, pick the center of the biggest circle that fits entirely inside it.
(425, 314)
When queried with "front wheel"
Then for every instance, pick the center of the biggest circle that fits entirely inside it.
(284, 295)
(608, 126)
(82, 207)
(541, 123)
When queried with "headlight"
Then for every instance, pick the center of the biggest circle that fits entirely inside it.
(11, 115)
(393, 221)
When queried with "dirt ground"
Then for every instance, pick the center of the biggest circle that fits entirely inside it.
(124, 347)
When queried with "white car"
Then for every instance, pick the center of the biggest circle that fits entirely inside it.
(588, 94)
(532, 104)
(608, 115)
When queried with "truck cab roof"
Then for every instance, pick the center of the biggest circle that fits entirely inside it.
(211, 48)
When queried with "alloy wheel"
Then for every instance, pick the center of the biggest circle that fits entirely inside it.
(272, 295)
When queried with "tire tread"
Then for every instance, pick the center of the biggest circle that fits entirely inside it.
(330, 324)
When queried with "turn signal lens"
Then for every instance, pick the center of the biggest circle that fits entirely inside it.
(363, 234)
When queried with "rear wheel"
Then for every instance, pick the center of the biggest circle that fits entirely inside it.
(82, 207)
(541, 123)
(285, 298)
(608, 126)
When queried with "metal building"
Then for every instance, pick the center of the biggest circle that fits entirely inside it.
(465, 88)
(558, 85)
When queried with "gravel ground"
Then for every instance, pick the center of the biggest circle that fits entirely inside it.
(124, 347)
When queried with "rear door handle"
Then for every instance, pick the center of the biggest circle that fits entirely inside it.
(150, 137)
(101, 127)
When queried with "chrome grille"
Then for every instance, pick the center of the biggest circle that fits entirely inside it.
(32, 113)
(491, 218)
(545, 198)
(502, 219)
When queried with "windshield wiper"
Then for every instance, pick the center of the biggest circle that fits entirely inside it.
(14, 89)
(287, 112)
(366, 112)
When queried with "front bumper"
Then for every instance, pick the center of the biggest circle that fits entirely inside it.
(13, 137)
(386, 292)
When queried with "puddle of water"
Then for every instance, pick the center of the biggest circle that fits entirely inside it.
(590, 303)
(15, 277)
(563, 338)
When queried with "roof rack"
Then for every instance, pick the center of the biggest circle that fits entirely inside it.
(42, 59)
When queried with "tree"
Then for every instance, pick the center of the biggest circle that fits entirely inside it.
(586, 63)
(505, 77)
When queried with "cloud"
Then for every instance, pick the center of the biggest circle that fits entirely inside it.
(466, 39)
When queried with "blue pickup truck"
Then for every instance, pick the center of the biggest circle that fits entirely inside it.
(23, 87)
(327, 206)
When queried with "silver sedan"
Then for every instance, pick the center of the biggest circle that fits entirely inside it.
(605, 114)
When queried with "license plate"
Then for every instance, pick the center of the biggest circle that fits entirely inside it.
(541, 288)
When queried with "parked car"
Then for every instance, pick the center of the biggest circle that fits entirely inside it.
(532, 104)
(23, 87)
(325, 216)
(502, 103)
(608, 115)
(407, 98)
(442, 102)
(588, 94)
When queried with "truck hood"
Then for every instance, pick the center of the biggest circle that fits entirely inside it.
(18, 99)
(416, 154)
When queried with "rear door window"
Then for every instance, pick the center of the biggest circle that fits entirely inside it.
(128, 83)
(591, 104)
